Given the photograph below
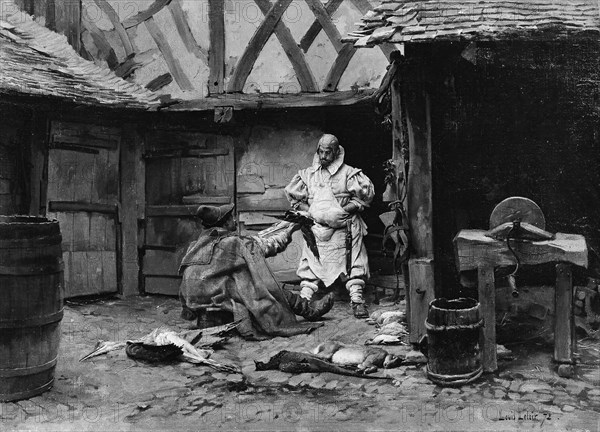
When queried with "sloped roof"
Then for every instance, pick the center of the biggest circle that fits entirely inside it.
(35, 61)
(399, 21)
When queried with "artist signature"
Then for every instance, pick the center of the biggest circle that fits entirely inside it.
(524, 416)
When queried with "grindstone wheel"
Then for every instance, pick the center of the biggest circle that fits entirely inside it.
(517, 208)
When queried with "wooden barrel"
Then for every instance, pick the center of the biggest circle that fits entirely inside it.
(31, 305)
(453, 341)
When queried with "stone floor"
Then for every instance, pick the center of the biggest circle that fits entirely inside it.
(115, 393)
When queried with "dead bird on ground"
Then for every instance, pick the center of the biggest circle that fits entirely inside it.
(297, 362)
(366, 360)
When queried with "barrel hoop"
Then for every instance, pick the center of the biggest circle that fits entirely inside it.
(50, 240)
(473, 326)
(8, 373)
(33, 322)
(7, 397)
(454, 379)
(32, 270)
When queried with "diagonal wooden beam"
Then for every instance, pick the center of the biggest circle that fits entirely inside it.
(185, 32)
(105, 50)
(140, 17)
(272, 24)
(165, 49)
(294, 53)
(116, 22)
(216, 56)
(345, 55)
(339, 67)
(323, 22)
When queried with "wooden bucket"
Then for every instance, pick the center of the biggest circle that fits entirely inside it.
(31, 305)
(453, 341)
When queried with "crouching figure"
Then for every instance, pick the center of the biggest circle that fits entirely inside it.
(225, 270)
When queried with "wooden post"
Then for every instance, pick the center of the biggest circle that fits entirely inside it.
(216, 52)
(421, 294)
(132, 203)
(419, 201)
(38, 151)
(564, 337)
(487, 302)
(64, 17)
(420, 214)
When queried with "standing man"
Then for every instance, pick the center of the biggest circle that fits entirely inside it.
(333, 194)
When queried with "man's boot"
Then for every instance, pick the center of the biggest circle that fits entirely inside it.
(311, 311)
(355, 289)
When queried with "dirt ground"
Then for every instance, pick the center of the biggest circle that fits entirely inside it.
(115, 393)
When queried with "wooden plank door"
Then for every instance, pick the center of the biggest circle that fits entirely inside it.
(183, 170)
(83, 195)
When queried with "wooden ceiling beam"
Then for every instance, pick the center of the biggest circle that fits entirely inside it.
(240, 101)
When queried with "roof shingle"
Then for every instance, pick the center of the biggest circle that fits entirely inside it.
(398, 21)
(36, 61)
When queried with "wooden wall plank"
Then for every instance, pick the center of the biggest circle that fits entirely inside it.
(79, 275)
(85, 134)
(185, 32)
(132, 201)
(170, 231)
(95, 273)
(216, 52)
(172, 62)
(161, 263)
(109, 271)
(81, 231)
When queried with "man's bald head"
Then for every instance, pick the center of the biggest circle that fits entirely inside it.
(329, 141)
(328, 149)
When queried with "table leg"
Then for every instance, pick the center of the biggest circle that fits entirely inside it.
(487, 304)
(564, 337)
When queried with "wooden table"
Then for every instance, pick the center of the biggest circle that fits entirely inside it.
(475, 251)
